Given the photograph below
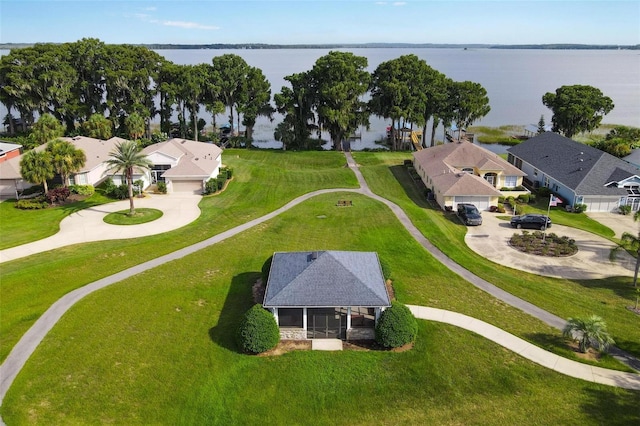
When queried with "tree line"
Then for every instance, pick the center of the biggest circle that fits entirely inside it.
(99, 90)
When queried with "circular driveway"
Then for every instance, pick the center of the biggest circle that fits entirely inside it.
(491, 240)
(178, 210)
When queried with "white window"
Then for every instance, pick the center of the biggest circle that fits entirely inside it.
(510, 181)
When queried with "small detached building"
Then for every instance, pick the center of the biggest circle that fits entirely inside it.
(326, 294)
(184, 165)
(462, 172)
(578, 173)
(9, 150)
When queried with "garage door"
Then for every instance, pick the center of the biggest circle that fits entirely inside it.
(190, 186)
(482, 203)
(601, 204)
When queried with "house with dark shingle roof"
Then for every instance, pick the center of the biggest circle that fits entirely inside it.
(578, 173)
(461, 172)
(326, 294)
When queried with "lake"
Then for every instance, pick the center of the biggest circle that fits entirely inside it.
(515, 80)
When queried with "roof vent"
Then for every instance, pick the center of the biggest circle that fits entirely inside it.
(312, 256)
(582, 159)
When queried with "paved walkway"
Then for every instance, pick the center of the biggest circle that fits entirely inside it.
(179, 209)
(531, 352)
(491, 240)
(32, 338)
(617, 222)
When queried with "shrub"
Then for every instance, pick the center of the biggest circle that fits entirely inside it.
(501, 199)
(57, 195)
(210, 186)
(220, 182)
(501, 208)
(37, 203)
(258, 331)
(523, 198)
(82, 189)
(579, 208)
(162, 187)
(625, 210)
(396, 327)
(543, 191)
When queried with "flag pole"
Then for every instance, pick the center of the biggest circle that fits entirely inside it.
(544, 235)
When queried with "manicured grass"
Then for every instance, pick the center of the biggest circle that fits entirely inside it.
(158, 348)
(607, 298)
(263, 181)
(19, 227)
(560, 216)
(140, 216)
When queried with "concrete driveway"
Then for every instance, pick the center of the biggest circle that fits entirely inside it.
(617, 222)
(591, 262)
(178, 210)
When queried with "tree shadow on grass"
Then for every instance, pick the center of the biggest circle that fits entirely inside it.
(612, 408)
(414, 190)
(239, 299)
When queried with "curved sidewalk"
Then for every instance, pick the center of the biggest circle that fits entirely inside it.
(527, 350)
(178, 210)
(32, 338)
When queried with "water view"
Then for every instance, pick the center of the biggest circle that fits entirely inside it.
(515, 80)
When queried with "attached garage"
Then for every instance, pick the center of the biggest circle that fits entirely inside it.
(601, 204)
(481, 202)
(190, 186)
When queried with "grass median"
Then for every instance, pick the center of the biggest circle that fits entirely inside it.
(158, 348)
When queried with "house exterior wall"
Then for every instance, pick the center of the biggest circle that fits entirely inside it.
(8, 187)
(9, 155)
(539, 179)
(361, 333)
(293, 334)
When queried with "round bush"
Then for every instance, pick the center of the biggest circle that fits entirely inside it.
(396, 327)
(258, 331)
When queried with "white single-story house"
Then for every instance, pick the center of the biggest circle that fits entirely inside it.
(462, 172)
(578, 173)
(184, 165)
(93, 172)
(326, 294)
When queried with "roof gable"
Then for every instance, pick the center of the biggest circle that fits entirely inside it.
(582, 168)
(324, 279)
(194, 159)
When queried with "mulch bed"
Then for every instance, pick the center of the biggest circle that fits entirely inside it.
(551, 246)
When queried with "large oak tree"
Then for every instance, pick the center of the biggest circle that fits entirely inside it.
(577, 108)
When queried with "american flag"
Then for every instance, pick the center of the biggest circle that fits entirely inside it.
(553, 201)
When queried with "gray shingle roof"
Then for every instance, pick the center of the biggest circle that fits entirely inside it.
(582, 168)
(332, 278)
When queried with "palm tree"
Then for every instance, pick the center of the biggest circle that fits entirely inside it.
(125, 158)
(36, 167)
(589, 332)
(65, 158)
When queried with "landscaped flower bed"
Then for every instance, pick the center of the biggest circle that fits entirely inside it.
(551, 245)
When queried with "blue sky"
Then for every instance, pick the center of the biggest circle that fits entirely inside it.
(321, 21)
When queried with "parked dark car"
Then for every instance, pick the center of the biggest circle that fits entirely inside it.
(531, 221)
(469, 214)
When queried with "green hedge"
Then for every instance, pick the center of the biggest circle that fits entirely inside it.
(396, 326)
(258, 331)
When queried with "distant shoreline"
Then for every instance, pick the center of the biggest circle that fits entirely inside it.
(257, 46)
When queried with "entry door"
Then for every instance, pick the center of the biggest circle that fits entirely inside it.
(326, 323)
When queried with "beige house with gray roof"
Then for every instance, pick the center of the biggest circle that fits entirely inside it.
(462, 172)
(93, 172)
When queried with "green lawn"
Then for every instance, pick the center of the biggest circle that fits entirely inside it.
(158, 348)
(565, 298)
(560, 216)
(263, 181)
(19, 227)
(140, 216)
